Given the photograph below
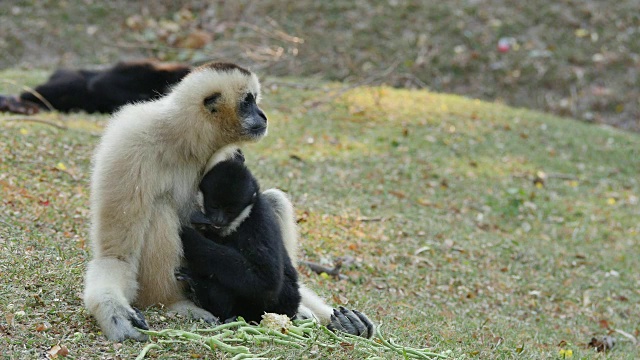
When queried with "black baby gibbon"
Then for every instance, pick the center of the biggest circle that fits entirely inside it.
(238, 266)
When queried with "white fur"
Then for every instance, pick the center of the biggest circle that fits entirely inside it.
(145, 175)
(221, 155)
(231, 228)
(312, 306)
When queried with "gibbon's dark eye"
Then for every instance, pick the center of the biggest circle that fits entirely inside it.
(247, 104)
(210, 102)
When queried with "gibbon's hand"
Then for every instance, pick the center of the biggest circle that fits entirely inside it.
(352, 322)
(238, 156)
(183, 274)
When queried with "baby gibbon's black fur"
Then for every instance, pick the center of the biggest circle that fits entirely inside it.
(239, 265)
(105, 91)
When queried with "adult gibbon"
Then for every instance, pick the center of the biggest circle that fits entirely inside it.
(146, 170)
(145, 173)
(237, 264)
(104, 91)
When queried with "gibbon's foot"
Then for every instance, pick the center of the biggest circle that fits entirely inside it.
(15, 105)
(189, 309)
(352, 322)
(125, 326)
(137, 320)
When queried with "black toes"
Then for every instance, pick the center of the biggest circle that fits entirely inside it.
(365, 320)
(212, 320)
(343, 323)
(182, 274)
(354, 320)
(334, 323)
(231, 319)
(137, 320)
(238, 156)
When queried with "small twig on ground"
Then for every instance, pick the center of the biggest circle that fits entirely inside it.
(270, 82)
(38, 120)
(561, 176)
(628, 336)
(47, 122)
(319, 269)
(370, 219)
(276, 34)
(32, 91)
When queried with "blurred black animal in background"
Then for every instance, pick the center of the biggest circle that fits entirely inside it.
(98, 91)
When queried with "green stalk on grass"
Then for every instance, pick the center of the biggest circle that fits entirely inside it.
(299, 335)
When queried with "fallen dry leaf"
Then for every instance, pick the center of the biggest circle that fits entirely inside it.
(58, 350)
(398, 194)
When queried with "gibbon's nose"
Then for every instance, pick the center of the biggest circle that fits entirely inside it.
(262, 115)
(218, 220)
(259, 123)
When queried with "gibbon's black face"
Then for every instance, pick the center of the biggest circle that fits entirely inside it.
(253, 119)
(227, 189)
(226, 96)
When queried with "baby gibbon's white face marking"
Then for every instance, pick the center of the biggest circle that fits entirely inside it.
(233, 226)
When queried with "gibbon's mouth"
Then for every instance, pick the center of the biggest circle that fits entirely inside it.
(257, 131)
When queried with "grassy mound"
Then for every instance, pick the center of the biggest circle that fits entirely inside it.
(466, 227)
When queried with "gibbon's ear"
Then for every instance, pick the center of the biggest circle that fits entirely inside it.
(211, 101)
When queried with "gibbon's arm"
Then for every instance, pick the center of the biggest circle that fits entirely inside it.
(233, 270)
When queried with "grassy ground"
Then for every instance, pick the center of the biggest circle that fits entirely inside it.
(477, 228)
(577, 58)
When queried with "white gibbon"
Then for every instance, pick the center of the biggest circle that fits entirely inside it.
(146, 170)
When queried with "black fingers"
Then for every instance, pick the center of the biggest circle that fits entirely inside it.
(355, 321)
(231, 319)
(335, 324)
(214, 321)
(183, 274)
(137, 320)
(238, 156)
(365, 320)
(344, 323)
(337, 321)
(352, 322)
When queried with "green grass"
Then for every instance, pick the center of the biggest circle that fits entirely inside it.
(433, 195)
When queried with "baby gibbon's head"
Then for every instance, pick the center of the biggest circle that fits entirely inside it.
(226, 95)
(227, 189)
